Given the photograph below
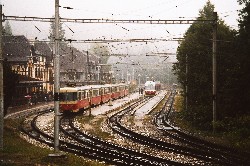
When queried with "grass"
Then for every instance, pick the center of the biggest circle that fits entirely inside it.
(149, 117)
(95, 123)
(18, 152)
(131, 120)
(234, 138)
(178, 106)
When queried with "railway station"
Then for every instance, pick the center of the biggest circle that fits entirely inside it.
(124, 83)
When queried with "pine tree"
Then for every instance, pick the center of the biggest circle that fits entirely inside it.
(101, 51)
(243, 60)
(197, 47)
(61, 34)
(7, 29)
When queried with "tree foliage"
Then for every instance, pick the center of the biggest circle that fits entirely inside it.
(9, 82)
(243, 62)
(101, 51)
(195, 51)
(52, 34)
(7, 30)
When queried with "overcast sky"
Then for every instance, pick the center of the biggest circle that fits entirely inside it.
(116, 9)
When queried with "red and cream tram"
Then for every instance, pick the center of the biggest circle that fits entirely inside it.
(82, 97)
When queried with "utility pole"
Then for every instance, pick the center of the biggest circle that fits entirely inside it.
(88, 67)
(56, 79)
(214, 71)
(186, 96)
(168, 67)
(122, 76)
(133, 74)
(139, 82)
(1, 83)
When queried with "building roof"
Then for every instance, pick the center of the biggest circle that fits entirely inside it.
(73, 58)
(16, 48)
(42, 48)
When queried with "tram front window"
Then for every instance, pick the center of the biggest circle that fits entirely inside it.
(68, 96)
(149, 87)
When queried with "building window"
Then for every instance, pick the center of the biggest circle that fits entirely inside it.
(30, 71)
(36, 72)
(41, 73)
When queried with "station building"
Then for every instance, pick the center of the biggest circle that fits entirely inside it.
(33, 62)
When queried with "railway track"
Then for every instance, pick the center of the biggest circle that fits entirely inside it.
(124, 155)
(34, 132)
(74, 141)
(201, 153)
(227, 155)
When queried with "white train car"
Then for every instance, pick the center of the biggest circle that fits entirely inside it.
(149, 89)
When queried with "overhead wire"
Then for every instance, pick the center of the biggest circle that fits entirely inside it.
(109, 46)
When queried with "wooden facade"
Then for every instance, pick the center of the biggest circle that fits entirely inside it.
(33, 63)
